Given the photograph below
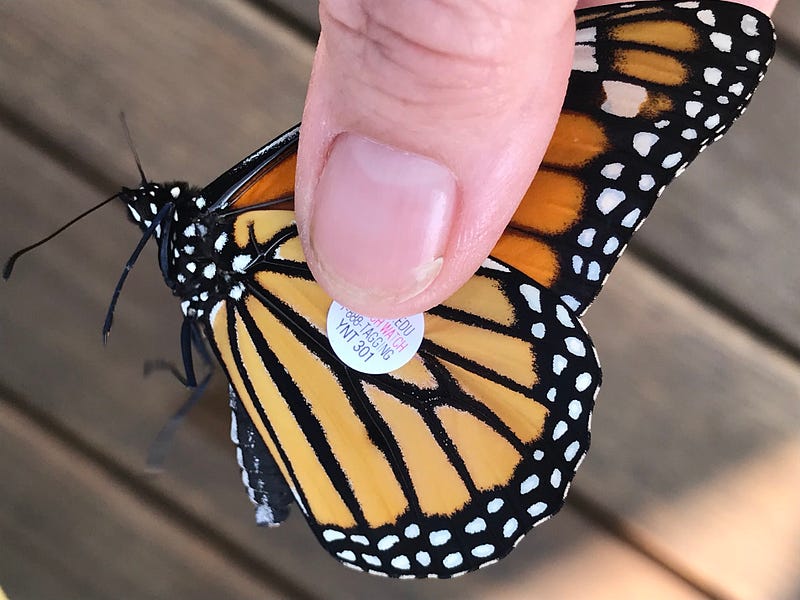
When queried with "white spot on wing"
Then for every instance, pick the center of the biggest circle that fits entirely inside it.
(712, 121)
(612, 171)
(586, 237)
(555, 478)
(643, 142)
(475, 526)
(220, 242)
(671, 160)
(610, 246)
(609, 199)
(346, 555)
(575, 409)
(440, 537)
(583, 381)
(623, 99)
(530, 484)
(693, 108)
(510, 527)
(712, 75)
(385, 543)
(572, 450)
(750, 25)
(575, 346)
(401, 562)
(721, 41)
(451, 561)
(240, 262)
(536, 509)
(493, 264)
(586, 34)
(532, 296)
(584, 59)
(483, 551)
(494, 505)
(707, 17)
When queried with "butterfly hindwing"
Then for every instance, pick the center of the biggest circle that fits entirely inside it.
(653, 84)
(440, 466)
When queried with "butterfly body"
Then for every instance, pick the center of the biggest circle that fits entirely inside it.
(441, 466)
(193, 264)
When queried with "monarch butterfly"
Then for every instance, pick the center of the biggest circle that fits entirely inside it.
(442, 465)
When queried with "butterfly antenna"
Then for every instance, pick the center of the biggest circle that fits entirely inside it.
(13, 259)
(129, 138)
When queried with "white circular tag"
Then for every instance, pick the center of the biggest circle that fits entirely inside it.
(371, 345)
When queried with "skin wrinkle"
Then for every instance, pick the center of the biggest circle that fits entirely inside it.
(425, 93)
(407, 54)
(469, 30)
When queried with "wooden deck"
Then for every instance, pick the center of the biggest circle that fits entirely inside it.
(692, 488)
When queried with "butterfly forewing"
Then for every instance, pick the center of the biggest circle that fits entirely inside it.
(653, 84)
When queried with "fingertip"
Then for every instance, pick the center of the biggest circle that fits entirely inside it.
(380, 224)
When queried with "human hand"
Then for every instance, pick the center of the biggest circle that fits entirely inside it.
(423, 127)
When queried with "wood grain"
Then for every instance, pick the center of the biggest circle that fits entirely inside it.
(69, 531)
(694, 411)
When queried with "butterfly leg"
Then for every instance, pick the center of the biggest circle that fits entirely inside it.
(160, 445)
(262, 479)
(190, 338)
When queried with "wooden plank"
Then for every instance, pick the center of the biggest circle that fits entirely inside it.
(50, 313)
(100, 395)
(304, 13)
(215, 79)
(696, 436)
(731, 221)
(787, 22)
(69, 531)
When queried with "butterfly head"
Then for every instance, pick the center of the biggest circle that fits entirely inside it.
(152, 201)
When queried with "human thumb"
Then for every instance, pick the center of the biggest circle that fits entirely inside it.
(423, 126)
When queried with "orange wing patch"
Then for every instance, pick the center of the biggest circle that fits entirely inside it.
(439, 488)
(531, 256)
(650, 66)
(489, 458)
(552, 203)
(576, 140)
(670, 35)
(273, 182)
